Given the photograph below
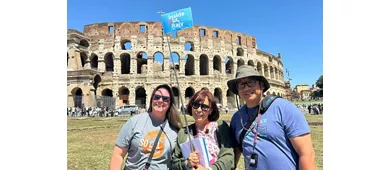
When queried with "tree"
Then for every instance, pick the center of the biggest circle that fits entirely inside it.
(319, 82)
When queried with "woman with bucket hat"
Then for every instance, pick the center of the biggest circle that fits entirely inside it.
(277, 137)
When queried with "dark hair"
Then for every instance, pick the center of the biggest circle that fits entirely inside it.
(172, 113)
(199, 97)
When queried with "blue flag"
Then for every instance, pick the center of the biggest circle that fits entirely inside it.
(177, 20)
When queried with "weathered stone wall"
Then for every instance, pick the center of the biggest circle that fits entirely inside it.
(92, 50)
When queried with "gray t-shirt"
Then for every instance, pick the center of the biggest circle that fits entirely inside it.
(138, 135)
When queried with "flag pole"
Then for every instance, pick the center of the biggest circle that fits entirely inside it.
(181, 101)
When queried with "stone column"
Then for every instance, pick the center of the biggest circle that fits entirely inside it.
(196, 66)
(211, 64)
(133, 64)
(149, 64)
(131, 95)
(182, 65)
(101, 65)
(76, 65)
(224, 98)
(117, 66)
(223, 66)
(269, 73)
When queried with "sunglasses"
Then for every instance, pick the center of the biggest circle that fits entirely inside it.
(249, 83)
(158, 97)
(204, 107)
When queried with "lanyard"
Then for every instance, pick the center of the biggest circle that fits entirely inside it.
(255, 132)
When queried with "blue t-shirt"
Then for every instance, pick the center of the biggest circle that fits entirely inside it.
(282, 120)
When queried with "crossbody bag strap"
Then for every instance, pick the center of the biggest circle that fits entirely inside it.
(263, 105)
(247, 125)
(154, 146)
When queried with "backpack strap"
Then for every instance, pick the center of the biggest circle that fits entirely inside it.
(264, 105)
(154, 146)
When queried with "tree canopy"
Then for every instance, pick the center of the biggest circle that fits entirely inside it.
(319, 82)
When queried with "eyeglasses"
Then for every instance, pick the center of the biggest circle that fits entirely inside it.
(158, 97)
(249, 83)
(204, 107)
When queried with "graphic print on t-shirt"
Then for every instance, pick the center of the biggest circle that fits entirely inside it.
(148, 142)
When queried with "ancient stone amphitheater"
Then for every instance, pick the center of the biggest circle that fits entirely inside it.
(113, 64)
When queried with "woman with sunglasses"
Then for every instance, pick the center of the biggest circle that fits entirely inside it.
(139, 133)
(203, 108)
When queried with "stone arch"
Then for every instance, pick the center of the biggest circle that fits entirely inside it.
(240, 52)
(279, 94)
(140, 97)
(124, 95)
(77, 94)
(217, 63)
(84, 43)
(158, 57)
(96, 81)
(176, 61)
(240, 62)
(229, 65)
(259, 68)
(189, 93)
(125, 63)
(176, 96)
(205, 88)
(266, 74)
(270, 59)
(273, 93)
(108, 98)
(83, 58)
(230, 98)
(204, 65)
(94, 61)
(189, 65)
(189, 46)
(126, 44)
(67, 61)
(218, 95)
(268, 93)
(142, 59)
(109, 61)
(250, 63)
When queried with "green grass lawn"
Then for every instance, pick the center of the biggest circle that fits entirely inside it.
(92, 148)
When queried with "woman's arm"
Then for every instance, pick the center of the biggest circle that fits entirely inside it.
(225, 159)
(178, 160)
(117, 157)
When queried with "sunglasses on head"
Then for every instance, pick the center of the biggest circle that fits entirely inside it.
(204, 107)
(158, 97)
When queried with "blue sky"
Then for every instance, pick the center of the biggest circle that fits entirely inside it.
(292, 28)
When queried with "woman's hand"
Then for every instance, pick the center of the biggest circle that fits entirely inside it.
(200, 167)
(193, 159)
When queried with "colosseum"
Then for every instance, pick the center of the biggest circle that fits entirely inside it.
(114, 64)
